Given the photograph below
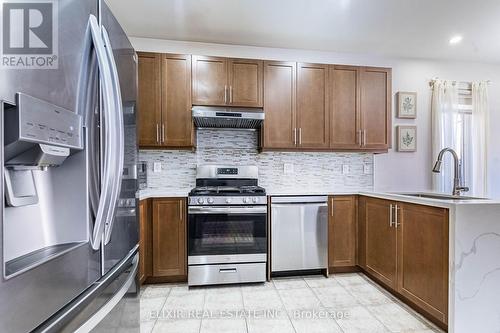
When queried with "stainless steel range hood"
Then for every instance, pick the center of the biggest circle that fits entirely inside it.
(226, 117)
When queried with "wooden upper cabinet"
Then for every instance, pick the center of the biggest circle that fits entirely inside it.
(245, 82)
(279, 105)
(423, 257)
(169, 237)
(344, 107)
(149, 98)
(380, 241)
(312, 106)
(342, 231)
(210, 81)
(224, 81)
(177, 124)
(375, 108)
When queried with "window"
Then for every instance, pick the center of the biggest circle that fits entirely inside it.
(463, 132)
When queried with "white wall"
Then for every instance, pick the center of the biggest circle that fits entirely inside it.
(393, 171)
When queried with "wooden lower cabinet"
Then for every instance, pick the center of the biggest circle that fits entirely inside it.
(423, 257)
(169, 237)
(342, 231)
(405, 247)
(145, 259)
(162, 240)
(380, 240)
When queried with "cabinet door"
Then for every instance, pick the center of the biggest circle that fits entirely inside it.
(144, 241)
(376, 107)
(423, 258)
(342, 231)
(279, 105)
(312, 106)
(169, 237)
(380, 241)
(149, 98)
(210, 81)
(177, 124)
(245, 82)
(344, 107)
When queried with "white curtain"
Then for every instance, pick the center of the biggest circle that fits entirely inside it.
(479, 131)
(444, 131)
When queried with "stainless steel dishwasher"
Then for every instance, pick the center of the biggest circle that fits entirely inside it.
(299, 233)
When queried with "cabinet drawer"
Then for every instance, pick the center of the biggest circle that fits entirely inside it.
(227, 273)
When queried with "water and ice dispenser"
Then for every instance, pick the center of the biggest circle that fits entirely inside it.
(45, 182)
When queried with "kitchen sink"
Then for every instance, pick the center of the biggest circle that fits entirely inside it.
(440, 196)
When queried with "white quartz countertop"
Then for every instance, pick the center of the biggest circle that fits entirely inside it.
(444, 203)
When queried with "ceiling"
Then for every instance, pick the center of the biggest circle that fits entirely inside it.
(397, 28)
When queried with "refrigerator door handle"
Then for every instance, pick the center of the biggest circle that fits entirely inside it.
(119, 150)
(104, 204)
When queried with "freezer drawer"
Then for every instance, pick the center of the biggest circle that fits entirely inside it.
(299, 233)
(227, 273)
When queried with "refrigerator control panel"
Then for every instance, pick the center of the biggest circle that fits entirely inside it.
(37, 121)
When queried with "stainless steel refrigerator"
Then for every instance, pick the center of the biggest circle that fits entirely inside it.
(69, 230)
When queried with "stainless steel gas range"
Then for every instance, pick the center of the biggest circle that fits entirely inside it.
(227, 227)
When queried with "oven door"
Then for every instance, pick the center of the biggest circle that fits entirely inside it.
(227, 234)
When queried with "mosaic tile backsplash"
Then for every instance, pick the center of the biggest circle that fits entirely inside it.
(312, 171)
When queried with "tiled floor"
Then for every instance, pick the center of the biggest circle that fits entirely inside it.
(313, 304)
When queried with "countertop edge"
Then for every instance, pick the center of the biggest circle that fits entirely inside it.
(147, 194)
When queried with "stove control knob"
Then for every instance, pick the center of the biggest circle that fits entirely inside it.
(228, 200)
(200, 200)
(245, 200)
(255, 200)
(210, 200)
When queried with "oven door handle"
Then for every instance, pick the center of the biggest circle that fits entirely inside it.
(227, 210)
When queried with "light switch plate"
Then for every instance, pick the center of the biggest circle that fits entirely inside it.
(156, 167)
(345, 169)
(287, 168)
(367, 169)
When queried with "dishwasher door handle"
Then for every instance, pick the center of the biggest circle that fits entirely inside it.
(288, 204)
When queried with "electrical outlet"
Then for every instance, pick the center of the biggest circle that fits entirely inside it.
(156, 167)
(346, 169)
(367, 169)
(288, 168)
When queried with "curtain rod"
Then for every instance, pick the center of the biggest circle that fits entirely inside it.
(431, 81)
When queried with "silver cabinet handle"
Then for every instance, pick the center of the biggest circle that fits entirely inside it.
(396, 218)
(360, 139)
(225, 94)
(391, 215)
(300, 136)
(228, 270)
(163, 133)
(231, 94)
(157, 133)
(295, 136)
(364, 137)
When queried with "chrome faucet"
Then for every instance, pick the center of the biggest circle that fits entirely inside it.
(457, 181)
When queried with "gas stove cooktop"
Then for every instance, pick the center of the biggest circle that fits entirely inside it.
(228, 190)
(227, 185)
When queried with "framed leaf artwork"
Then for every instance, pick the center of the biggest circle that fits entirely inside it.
(407, 105)
(407, 138)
